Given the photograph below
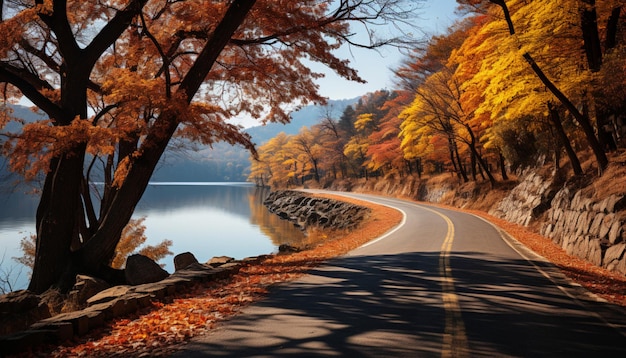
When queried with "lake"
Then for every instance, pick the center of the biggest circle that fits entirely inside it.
(206, 219)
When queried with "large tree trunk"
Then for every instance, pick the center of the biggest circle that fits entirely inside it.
(97, 252)
(56, 222)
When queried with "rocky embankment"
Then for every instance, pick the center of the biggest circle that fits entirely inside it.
(584, 225)
(306, 211)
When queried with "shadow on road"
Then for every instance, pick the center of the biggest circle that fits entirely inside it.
(391, 306)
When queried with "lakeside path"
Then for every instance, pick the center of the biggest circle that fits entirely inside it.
(441, 284)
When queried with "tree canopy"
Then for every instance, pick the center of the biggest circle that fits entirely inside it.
(509, 83)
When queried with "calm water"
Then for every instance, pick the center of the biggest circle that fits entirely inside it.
(207, 219)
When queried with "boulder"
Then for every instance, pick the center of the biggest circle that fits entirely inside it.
(182, 261)
(18, 301)
(287, 249)
(141, 269)
(20, 309)
(85, 288)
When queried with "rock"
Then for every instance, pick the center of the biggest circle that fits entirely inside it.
(108, 295)
(141, 269)
(182, 261)
(18, 301)
(615, 234)
(613, 256)
(19, 309)
(287, 249)
(219, 260)
(84, 288)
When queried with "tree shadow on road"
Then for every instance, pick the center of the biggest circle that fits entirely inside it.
(391, 306)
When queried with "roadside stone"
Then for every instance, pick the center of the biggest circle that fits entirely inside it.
(614, 256)
(615, 234)
(108, 295)
(78, 319)
(85, 288)
(182, 261)
(305, 211)
(18, 301)
(219, 260)
(19, 309)
(287, 249)
(141, 269)
(61, 331)
(156, 290)
(595, 225)
(605, 226)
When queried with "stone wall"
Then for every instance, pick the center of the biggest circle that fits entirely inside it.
(589, 228)
(586, 227)
(526, 201)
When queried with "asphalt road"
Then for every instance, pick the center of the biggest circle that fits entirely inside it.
(441, 284)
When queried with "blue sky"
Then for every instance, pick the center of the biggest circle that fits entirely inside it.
(375, 66)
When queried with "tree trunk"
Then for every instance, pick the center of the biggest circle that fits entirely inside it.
(462, 170)
(56, 223)
(584, 121)
(555, 118)
(481, 162)
(97, 252)
(502, 166)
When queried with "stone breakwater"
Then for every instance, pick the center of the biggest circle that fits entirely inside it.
(306, 211)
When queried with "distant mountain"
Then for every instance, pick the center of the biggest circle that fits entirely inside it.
(224, 162)
(305, 117)
(221, 162)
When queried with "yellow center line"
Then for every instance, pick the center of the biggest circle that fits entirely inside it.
(454, 337)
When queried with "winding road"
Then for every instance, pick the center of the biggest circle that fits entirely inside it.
(441, 284)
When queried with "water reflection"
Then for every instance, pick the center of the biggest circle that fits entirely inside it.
(207, 219)
(278, 230)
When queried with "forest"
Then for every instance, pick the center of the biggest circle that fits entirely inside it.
(509, 84)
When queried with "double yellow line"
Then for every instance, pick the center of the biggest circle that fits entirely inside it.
(454, 337)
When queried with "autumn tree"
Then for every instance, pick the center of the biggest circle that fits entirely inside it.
(336, 160)
(308, 143)
(119, 79)
(133, 237)
(575, 15)
(271, 166)
(439, 107)
(385, 152)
